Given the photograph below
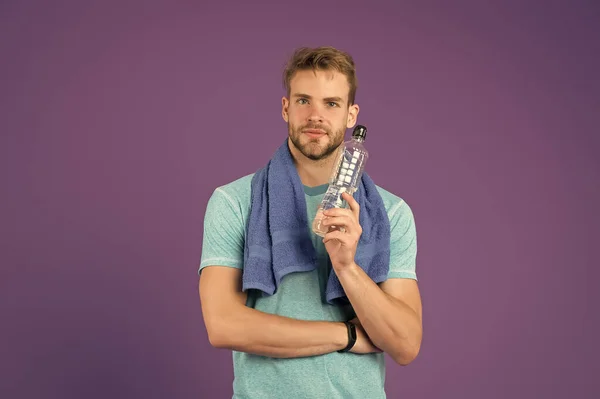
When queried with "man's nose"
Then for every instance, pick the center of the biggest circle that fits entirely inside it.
(315, 114)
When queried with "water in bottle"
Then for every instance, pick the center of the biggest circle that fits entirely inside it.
(345, 177)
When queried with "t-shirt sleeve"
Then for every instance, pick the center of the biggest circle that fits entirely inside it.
(224, 232)
(403, 242)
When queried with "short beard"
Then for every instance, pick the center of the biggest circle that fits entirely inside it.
(336, 139)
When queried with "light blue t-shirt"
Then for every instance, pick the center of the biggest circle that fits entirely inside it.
(302, 296)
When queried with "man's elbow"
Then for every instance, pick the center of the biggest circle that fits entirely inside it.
(406, 355)
(404, 359)
(217, 340)
(217, 335)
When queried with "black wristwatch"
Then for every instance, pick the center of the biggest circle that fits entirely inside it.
(351, 336)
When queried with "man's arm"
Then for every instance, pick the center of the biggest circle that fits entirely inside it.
(231, 324)
(391, 313)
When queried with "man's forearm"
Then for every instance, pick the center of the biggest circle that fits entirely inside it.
(252, 331)
(391, 325)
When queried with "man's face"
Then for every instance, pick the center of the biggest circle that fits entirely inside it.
(317, 112)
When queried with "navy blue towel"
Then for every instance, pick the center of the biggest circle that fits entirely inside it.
(278, 239)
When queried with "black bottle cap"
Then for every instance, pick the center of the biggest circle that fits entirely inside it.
(360, 131)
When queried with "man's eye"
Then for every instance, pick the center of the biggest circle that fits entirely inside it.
(301, 101)
(332, 104)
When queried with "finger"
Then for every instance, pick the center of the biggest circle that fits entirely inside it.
(338, 212)
(354, 206)
(344, 221)
(336, 235)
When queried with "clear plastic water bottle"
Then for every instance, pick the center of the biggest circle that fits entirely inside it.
(345, 177)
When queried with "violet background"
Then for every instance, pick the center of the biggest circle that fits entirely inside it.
(118, 120)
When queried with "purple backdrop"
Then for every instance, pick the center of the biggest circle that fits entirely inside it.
(116, 122)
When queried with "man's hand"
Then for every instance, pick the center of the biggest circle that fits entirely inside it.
(341, 242)
(363, 342)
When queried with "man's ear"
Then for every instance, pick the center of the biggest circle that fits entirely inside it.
(285, 103)
(352, 115)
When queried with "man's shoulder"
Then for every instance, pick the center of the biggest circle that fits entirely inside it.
(392, 202)
(239, 186)
(237, 192)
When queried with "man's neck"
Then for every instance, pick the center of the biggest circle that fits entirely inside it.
(312, 173)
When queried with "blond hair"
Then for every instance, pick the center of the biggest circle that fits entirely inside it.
(321, 58)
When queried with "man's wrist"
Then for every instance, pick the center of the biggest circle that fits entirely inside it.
(347, 271)
(341, 336)
(350, 337)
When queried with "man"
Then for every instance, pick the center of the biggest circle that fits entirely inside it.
(293, 343)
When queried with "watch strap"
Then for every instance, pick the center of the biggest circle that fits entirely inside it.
(351, 336)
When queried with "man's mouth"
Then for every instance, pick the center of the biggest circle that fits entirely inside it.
(314, 133)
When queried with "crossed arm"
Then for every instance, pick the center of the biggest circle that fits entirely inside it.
(390, 313)
(389, 316)
(232, 325)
